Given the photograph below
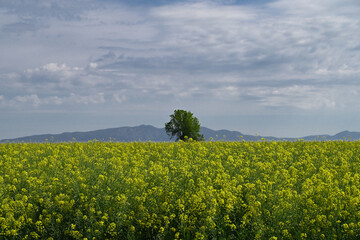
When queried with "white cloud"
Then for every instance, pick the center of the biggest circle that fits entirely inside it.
(119, 98)
(27, 100)
(64, 10)
(93, 65)
(301, 8)
(54, 77)
(203, 11)
(92, 99)
(302, 97)
(54, 67)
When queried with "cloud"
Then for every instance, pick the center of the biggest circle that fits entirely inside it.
(52, 84)
(93, 99)
(62, 10)
(54, 68)
(204, 11)
(21, 27)
(119, 98)
(301, 97)
(321, 8)
(34, 101)
(250, 46)
(29, 99)
(53, 77)
(279, 55)
(259, 45)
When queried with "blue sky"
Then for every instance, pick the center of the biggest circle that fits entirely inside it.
(281, 68)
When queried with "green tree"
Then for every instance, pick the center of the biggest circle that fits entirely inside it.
(183, 124)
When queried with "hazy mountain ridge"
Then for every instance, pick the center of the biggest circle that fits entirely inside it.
(150, 133)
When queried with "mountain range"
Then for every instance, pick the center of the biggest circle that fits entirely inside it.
(150, 133)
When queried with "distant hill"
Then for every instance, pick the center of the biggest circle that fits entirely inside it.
(345, 135)
(130, 134)
(227, 135)
(150, 133)
(121, 134)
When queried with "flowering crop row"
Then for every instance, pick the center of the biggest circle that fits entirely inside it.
(196, 190)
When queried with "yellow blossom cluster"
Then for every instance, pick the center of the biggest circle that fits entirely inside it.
(183, 190)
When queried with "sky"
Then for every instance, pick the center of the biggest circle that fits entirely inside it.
(283, 68)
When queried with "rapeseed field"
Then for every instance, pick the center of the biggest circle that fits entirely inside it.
(183, 190)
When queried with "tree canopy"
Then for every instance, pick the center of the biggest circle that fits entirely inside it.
(183, 124)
